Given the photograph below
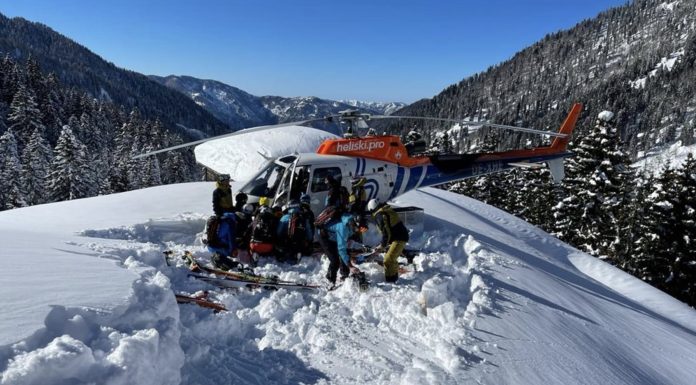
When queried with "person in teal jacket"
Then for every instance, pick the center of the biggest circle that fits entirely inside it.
(333, 238)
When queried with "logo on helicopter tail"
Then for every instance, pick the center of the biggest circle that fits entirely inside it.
(360, 145)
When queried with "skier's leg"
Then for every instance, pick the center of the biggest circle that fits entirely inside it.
(391, 265)
(331, 251)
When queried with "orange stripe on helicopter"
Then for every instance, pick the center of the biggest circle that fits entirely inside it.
(387, 148)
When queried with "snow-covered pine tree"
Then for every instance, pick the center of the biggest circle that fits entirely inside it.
(638, 227)
(150, 173)
(682, 280)
(24, 116)
(70, 176)
(597, 188)
(534, 197)
(36, 164)
(656, 244)
(11, 192)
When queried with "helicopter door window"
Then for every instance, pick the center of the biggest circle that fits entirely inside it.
(282, 196)
(300, 182)
(318, 180)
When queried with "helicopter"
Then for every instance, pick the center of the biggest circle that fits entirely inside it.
(390, 168)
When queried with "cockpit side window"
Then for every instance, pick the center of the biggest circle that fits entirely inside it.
(300, 181)
(318, 179)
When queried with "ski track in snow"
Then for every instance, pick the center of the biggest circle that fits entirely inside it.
(417, 331)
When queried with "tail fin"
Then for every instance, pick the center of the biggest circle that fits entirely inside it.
(559, 143)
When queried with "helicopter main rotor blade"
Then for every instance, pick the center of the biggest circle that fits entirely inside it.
(465, 123)
(244, 131)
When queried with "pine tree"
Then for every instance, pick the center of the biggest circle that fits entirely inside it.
(655, 245)
(36, 163)
(150, 174)
(11, 192)
(597, 188)
(24, 116)
(682, 280)
(534, 197)
(70, 171)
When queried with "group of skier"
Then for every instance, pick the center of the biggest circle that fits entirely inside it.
(240, 232)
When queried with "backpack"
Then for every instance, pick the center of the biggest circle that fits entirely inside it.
(343, 197)
(211, 232)
(261, 228)
(327, 215)
(297, 228)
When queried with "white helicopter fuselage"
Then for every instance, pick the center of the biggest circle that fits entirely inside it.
(288, 177)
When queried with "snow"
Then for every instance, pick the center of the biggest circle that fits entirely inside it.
(605, 116)
(251, 150)
(667, 6)
(89, 299)
(666, 63)
(673, 155)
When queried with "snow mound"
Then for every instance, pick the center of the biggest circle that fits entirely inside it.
(134, 342)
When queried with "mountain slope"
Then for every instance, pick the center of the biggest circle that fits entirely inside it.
(240, 109)
(76, 66)
(636, 60)
(229, 104)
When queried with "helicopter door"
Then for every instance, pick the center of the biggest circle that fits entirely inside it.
(319, 190)
(285, 186)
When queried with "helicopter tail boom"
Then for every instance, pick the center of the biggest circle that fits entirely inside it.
(560, 143)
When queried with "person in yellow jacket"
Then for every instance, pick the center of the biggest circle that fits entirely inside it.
(394, 237)
(222, 196)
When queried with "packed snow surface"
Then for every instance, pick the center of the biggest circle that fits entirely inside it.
(242, 155)
(88, 298)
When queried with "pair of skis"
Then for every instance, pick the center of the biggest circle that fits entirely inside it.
(366, 254)
(238, 279)
(201, 300)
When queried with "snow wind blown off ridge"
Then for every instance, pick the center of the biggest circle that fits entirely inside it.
(494, 300)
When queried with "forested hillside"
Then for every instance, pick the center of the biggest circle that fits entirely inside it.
(638, 60)
(76, 66)
(59, 143)
(633, 68)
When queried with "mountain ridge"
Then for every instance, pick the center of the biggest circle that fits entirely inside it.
(77, 66)
(240, 109)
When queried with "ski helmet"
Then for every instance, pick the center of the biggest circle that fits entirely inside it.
(305, 198)
(372, 204)
(248, 209)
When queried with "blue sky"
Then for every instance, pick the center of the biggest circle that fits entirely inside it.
(378, 50)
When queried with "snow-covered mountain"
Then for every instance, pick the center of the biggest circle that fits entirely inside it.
(231, 105)
(383, 108)
(240, 109)
(303, 107)
(88, 298)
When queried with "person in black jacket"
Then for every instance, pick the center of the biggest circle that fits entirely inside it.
(222, 196)
(239, 201)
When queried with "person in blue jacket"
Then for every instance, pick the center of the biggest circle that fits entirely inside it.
(293, 233)
(223, 247)
(334, 238)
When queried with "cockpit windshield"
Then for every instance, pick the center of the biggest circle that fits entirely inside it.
(266, 182)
